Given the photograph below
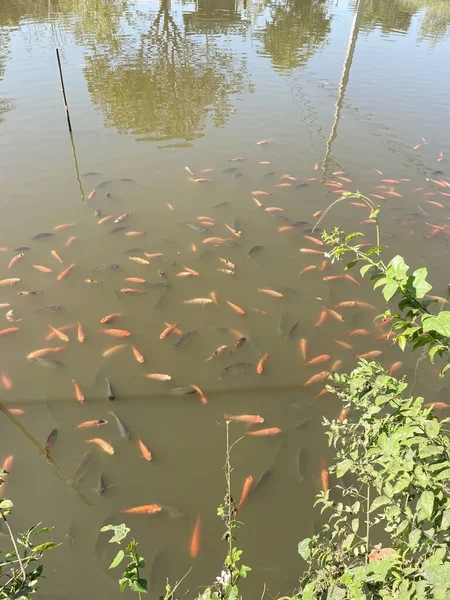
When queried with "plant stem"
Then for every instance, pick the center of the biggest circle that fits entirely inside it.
(367, 524)
(228, 482)
(24, 575)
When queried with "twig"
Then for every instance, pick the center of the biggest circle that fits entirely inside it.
(63, 90)
(24, 575)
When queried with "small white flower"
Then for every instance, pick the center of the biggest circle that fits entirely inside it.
(224, 578)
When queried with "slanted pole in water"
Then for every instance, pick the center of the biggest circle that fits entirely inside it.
(66, 108)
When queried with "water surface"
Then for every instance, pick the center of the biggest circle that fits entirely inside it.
(340, 89)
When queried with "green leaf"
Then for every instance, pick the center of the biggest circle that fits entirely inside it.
(389, 290)
(420, 284)
(438, 574)
(378, 502)
(139, 585)
(120, 532)
(355, 525)
(303, 548)
(445, 524)
(439, 323)
(414, 538)
(425, 504)
(343, 467)
(363, 270)
(398, 267)
(308, 592)
(118, 559)
(6, 504)
(432, 428)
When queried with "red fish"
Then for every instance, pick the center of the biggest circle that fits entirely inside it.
(66, 272)
(303, 347)
(146, 454)
(368, 355)
(318, 377)
(318, 360)
(264, 432)
(116, 332)
(146, 509)
(194, 545)
(262, 363)
(245, 491)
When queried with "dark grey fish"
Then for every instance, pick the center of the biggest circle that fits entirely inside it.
(97, 212)
(436, 173)
(230, 170)
(89, 174)
(42, 236)
(254, 249)
(237, 225)
(281, 217)
(303, 422)
(195, 227)
(291, 330)
(301, 459)
(22, 248)
(284, 324)
(269, 174)
(118, 229)
(101, 486)
(81, 469)
(301, 185)
(161, 302)
(237, 175)
(220, 204)
(127, 180)
(110, 267)
(265, 475)
(182, 391)
(51, 439)
(49, 307)
(123, 428)
(301, 224)
(316, 231)
(110, 391)
(134, 250)
(168, 241)
(173, 513)
(104, 183)
(108, 195)
(182, 338)
(157, 286)
(284, 289)
(235, 368)
(46, 362)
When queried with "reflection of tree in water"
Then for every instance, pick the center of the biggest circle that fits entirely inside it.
(94, 22)
(396, 15)
(164, 89)
(296, 29)
(5, 103)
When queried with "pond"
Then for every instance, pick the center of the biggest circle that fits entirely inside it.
(206, 136)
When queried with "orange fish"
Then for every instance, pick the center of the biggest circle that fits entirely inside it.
(144, 450)
(15, 259)
(216, 240)
(66, 272)
(307, 269)
(113, 350)
(235, 307)
(154, 255)
(245, 491)
(157, 376)
(6, 381)
(57, 256)
(116, 332)
(194, 545)
(146, 509)
(52, 335)
(59, 334)
(213, 297)
(322, 318)
(323, 266)
(63, 226)
(336, 366)
(217, 352)
(389, 181)
(10, 281)
(71, 240)
(343, 344)
(434, 203)
(260, 193)
(80, 332)
(104, 445)
(17, 412)
(318, 213)
(42, 269)
(318, 377)
(350, 278)
(199, 393)
(284, 185)
(310, 251)
(275, 209)
(105, 219)
(89, 424)
(137, 355)
(395, 367)
(109, 318)
(262, 363)
(303, 347)
(121, 218)
(324, 480)
(257, 202)
(437, 405)
(201, 301)
(344, 414)
(138, 259)
(332, 277)
(134, 279)
(270, 292)
(78, 393)
(8, 331)
(135, 233)
(168, 330)
(371, 354)
(353, 303)
(313, 240)
(335, 314)
(92, 194)
(264, 432)
(235, 232)
(358, 332)
(317, 360)
(248, 419)
(268, 141)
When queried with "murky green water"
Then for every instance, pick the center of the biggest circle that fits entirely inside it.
(153, 88)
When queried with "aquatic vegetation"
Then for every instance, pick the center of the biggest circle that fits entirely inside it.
(388, 518)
